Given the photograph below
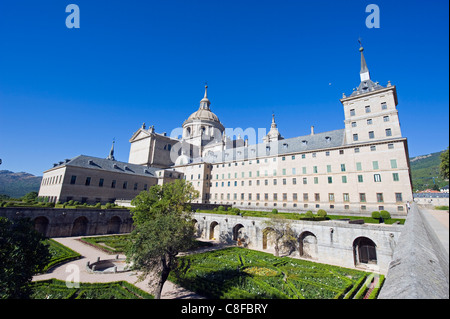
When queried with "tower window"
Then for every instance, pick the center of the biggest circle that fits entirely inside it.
(367, 108)
(388, 132)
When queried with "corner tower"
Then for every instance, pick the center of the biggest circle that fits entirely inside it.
(370, 111)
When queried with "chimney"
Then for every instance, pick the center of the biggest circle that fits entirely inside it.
(312, 130)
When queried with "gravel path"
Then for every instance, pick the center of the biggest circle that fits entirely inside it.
(170, 290)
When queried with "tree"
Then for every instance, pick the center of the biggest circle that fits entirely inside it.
(443, 167)
(283, 236)
(22, 255)
(163, 228)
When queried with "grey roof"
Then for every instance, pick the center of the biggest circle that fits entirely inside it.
(367, 86)
(298, 144)
(91, 162)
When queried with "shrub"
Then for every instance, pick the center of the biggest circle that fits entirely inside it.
(309, 214)
(70, 202)
(108, 205)
(385, 214)
(236, 210)
(215, 209)
(98, 205)
(221, 208)
(376, 215)
(321, 213)
(274, 211)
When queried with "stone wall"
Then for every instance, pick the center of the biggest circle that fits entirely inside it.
(59, 222)
(419, 268)
(330, 242)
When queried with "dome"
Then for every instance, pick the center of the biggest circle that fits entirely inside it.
(204, 114)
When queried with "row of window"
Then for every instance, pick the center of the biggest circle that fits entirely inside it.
(294, 197)
(368, 109)
(113, 184)
(293, 171)
(388, 132)
(344, 179)
(370, 121)
(52, 180)
(292, 157)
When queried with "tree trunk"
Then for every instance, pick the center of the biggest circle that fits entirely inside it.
(162, 279)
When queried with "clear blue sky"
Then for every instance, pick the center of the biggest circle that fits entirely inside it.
(66, 92)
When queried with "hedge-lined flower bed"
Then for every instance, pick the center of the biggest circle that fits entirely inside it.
(236, 273)
(59, 254)
(57, 289)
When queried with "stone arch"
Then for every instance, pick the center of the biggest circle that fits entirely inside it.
(41, 224)
(267, 236)
(114, 225)
(80, 226)
(364, 251)
(214, 230)
(307, 245)
(238, 232)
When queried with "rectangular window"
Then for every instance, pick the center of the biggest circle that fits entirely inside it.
(303, 155)
(305, 181)
(113, 183)
(328, 168)
(330, 180)
(373, 148)
(388, 132)
(257, 196)
(346, 197)
(284, 196)
(353, 124)
(367, 108)
(100, 182)
(275, 196)
(294, 197)
(88, 181)
(383, 106)
(398, 197)
(355, 137)
(249, 196)
(358, 166)
(294, 181)
(284, 181)
(125, 185)
(293, 171)
(316, 180)
(145, 187)
(342, 167)
(390, 146)
(369, 122)
(275, 181)
(386, 118)
(356, 149)
(73, 179)
(317, 197)
(284, 171)
(242, 196)
(266, 196)
(266, 182)
(375, 164)
(395, 177)
(344, 179)
(304, 170)
(371, 134)
(135, 187)
(327, 153)
(352, 112)
(377, 177)
(380, 197)
(362, 197)
(331, 197)
(305, 197)
(393, 163)
(360, 178)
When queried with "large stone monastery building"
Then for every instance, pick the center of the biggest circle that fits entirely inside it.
(360, 168)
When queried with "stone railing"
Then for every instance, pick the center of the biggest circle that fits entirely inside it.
(420, 264)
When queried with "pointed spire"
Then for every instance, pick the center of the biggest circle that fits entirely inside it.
(205, 103)
(111, 152)
(273, 125)
(364, 73)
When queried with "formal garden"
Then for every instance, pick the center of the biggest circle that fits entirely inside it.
(235, 273)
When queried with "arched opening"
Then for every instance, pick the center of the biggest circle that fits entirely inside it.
(114, 225)
(188, 132)
(238, 232)
(213, 230)
(268, 234)
(364, 251)
(80, 226)
(307, 247)
(196, 228)
(41, 225)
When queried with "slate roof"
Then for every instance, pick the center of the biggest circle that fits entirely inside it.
(92, 162)
(298, 144)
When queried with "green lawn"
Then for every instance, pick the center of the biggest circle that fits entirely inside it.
(57, 289)
(236, 273)
(59, 254)
(296, 216)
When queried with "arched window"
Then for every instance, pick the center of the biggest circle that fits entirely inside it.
(364, 251)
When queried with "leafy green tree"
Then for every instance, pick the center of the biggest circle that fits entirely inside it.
(282, 234)
(30, 197)
(163, 228)
(443, 167)
(22, 255)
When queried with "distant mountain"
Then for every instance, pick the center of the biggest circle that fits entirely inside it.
(423, 169)
(16, 185)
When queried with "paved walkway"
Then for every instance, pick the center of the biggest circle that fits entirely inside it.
(89, 253)
(439, 221)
